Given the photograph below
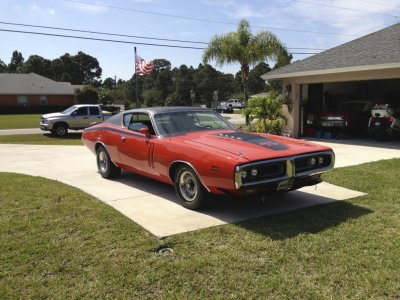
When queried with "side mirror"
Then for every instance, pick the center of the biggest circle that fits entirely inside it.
(145, 131)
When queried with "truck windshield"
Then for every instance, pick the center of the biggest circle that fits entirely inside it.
(69, 110)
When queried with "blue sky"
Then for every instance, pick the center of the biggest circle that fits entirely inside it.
(310, 24)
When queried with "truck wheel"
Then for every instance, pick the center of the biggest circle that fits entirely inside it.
(105, 166)
(189, 189)
(60, 130)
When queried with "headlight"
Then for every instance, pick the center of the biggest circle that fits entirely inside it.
(313, 161)
(320, 160)
(254, 172)
(244, 174)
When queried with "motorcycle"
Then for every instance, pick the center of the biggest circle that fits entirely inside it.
(384, 123)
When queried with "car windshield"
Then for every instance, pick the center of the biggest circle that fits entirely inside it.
(69, 110)
(189, 121)
(350, 107)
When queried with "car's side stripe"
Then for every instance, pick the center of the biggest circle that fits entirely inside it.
(115, 130)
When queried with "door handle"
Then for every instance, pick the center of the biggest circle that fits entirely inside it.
(123, 138)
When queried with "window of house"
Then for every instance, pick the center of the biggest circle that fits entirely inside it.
(43, 100)
(22, 100)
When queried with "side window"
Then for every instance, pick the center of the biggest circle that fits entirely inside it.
(82, 111)
(94, 111)
(127, 119)
(139, 121)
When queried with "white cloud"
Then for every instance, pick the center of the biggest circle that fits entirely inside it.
(349, 18)
(37, 10)
(88, 9)
(34, 7)
(51, 11)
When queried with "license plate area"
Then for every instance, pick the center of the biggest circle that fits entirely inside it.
(285, 185)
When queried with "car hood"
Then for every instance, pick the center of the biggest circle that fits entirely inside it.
(53, 115)
(252, 146)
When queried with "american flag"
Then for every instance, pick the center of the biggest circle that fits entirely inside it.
(142, 66)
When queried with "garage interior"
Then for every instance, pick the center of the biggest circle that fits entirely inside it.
(324, 97)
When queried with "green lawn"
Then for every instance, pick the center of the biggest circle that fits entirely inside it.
(42, 139)
(19, 121)
(58, 242)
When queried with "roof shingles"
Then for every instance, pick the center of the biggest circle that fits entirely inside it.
(381, 47)
(32, 84)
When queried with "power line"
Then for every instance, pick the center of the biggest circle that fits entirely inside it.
(116, 41)
(125, 35)
(101, 33)
(346, 8)
(202, 19)
(379, 4)
(98, 39)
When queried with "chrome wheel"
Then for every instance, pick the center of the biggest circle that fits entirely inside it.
(103, 162)
(105, 166)
(188, 186)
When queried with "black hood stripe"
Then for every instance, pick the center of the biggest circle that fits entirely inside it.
(253, 139)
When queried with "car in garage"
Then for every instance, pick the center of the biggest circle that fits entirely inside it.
(348, 117)
(200, 153)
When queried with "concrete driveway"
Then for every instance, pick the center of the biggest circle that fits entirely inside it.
(153, 205)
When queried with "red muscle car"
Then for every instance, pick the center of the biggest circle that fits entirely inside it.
(200, 153)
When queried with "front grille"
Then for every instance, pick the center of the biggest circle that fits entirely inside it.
(277, 170)
(264, 172)
(312, 162)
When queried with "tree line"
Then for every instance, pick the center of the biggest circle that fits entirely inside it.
(164, 86)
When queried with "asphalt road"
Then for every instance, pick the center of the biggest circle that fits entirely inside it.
(26, 131)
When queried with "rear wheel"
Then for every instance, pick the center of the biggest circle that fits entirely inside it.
(189, 189)
(106, 167)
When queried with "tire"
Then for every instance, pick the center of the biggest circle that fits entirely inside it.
(189, 189)
(105, 166)
(60, 130)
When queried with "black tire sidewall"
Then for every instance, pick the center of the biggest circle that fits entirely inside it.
(55, 131)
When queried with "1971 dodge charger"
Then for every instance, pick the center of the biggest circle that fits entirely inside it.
(200, 153)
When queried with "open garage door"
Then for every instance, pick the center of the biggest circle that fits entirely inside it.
(343, 109)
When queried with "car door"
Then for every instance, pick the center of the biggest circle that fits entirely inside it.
(94, 114)
(79, 118)
(135, 149)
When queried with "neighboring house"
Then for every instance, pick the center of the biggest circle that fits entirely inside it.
(33, 93)
(367, 68)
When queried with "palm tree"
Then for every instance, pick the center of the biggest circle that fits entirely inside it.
(268, 112)
(247, 49)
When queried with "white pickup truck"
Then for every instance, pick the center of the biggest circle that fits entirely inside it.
(75, 117)
(235, 103)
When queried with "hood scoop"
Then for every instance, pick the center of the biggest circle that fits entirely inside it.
(252, 139)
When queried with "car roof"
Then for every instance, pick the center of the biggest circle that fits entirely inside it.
(167, 109)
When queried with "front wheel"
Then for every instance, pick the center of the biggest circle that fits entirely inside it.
(189, 189)
(60, 130)
(106, 167)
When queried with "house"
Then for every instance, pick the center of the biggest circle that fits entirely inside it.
(367, 68)
(33, 93)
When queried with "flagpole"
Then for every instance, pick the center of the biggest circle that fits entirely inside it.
(136, 85)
